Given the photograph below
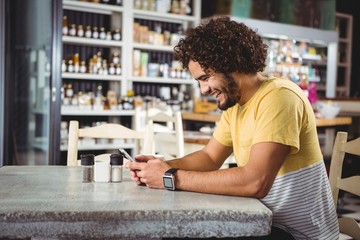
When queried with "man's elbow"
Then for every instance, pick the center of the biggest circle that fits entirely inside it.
(260, 188)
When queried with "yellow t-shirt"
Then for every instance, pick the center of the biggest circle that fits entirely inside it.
(300, 197)
(278, 112)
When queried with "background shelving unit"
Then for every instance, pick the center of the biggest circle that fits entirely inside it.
(344, 27)
(122, 17)
(315, 37)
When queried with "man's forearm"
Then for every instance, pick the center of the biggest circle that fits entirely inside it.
(196, 161)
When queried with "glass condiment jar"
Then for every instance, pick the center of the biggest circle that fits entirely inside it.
(87, 165)
(116, 163)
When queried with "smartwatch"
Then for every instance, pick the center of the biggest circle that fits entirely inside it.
(169, 179)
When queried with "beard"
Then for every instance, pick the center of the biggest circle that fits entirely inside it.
(231, 93)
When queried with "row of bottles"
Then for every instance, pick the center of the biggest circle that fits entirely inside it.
(89, 32)
(87, 98)
(157, 33)
(291, 59)
(94, 95)
(155, 64)
(162, 96)
(182, 7)
(96, 64)
(111, 2)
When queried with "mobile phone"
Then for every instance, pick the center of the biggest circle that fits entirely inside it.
(126, 155)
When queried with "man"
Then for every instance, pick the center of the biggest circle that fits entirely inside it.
(268, 124)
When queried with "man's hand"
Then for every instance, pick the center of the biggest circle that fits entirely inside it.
(148, 170)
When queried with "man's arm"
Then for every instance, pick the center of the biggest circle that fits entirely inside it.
(255, 179)
(197, 172)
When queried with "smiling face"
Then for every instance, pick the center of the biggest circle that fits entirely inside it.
(223, 87)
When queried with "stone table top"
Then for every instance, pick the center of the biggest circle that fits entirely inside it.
(52, 202)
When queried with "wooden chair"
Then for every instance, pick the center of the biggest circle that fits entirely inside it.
(144, 140)
(350, 184)
(168, 130)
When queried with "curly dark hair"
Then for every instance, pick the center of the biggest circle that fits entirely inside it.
(223, 45)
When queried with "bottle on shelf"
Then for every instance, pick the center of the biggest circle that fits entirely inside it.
(108, 35)
(70, 67)
(99, 99)
(76, 63)
(69, 92)
(112, 69)
(93, 63)
(175, 7)
(63, 66)
(111, 100)
(102, 34)
(104, 67)
(72, 30)
(99, 59)
(117, 35)
(115, 59)
(83, 67)
(88, 32)
(118, 69)
(65, 27)
(80, 31)
(95, 33)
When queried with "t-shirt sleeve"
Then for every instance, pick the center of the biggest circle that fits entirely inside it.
(278, 118)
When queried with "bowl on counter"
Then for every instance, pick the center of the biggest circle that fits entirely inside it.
(328, 109)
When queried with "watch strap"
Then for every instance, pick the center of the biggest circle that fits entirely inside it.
(171, 171)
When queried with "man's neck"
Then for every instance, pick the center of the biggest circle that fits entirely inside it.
(249, 84)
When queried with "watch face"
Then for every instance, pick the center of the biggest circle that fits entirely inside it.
(169, 182)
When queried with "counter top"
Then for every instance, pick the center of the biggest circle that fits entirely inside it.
(52, 202)
(320, 122)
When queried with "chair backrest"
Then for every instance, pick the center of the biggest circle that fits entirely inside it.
(168, 130)
(144, 140)
(349, 184)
